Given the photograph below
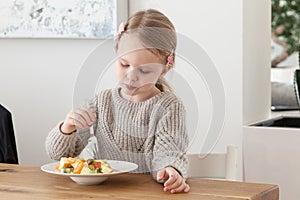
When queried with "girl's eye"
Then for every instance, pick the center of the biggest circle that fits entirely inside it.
(124, 65)
(144, 71)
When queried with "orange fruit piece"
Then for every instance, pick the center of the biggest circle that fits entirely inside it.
(78, 166)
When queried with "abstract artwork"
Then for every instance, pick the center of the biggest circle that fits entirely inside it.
(58, 18)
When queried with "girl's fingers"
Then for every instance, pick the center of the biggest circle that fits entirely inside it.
(91, 115)
(179, 181)
(175, 183)
(187, 188)
(172, 176)
(78, 123)
(161, 175)
(86, 115)
(77, 120)
(171, 180)
(180, 188)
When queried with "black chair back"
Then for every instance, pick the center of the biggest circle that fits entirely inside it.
(8, 149)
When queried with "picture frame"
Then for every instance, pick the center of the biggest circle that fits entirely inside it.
(68, 19)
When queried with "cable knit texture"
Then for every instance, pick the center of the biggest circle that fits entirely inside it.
(151, 133)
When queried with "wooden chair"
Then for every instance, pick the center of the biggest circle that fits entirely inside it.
(214, 166)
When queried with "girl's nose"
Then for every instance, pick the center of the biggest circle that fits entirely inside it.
(132, 75)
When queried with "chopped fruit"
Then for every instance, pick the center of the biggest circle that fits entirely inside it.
(79, 166)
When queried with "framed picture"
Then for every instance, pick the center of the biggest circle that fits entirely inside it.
(87, 19)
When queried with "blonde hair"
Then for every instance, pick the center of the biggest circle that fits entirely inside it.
(157, 33)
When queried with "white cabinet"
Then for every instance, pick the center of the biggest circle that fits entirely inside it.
(272, 155)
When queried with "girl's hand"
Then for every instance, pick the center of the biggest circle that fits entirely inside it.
(78, 118)
(174, 181)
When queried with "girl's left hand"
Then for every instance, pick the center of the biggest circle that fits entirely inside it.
(174, 182)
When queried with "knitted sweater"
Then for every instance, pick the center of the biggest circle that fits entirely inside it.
(151, 133)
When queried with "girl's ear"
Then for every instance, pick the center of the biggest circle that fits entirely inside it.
(165, 70)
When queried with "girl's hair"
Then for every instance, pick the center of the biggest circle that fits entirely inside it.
(157, 33)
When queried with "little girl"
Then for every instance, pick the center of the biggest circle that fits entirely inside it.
(140, 121)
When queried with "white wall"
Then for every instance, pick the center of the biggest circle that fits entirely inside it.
(36, 85)
(37, 76)
(256, 60)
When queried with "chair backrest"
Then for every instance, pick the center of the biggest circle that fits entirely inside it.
(218, 166)
(8, 148)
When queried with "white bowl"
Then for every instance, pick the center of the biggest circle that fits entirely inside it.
(119, 167)
(87, 180)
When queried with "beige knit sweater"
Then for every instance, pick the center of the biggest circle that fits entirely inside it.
(151, 133)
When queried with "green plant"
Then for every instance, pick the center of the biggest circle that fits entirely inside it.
(287, 12)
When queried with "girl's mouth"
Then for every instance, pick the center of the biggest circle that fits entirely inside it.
(129, 87)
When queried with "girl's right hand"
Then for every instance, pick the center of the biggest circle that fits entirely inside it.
(78, 118)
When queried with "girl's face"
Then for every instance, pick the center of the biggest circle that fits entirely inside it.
(137, 73)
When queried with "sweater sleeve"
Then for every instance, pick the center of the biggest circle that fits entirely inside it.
(171, 141)
(61, 145)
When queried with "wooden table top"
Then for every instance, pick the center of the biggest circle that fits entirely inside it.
(29, 182)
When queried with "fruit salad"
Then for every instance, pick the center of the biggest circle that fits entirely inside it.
(79, 166)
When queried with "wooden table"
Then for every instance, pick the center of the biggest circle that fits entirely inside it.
(27, 182)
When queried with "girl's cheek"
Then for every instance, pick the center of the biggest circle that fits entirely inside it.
(152, 78)
(119, 74)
